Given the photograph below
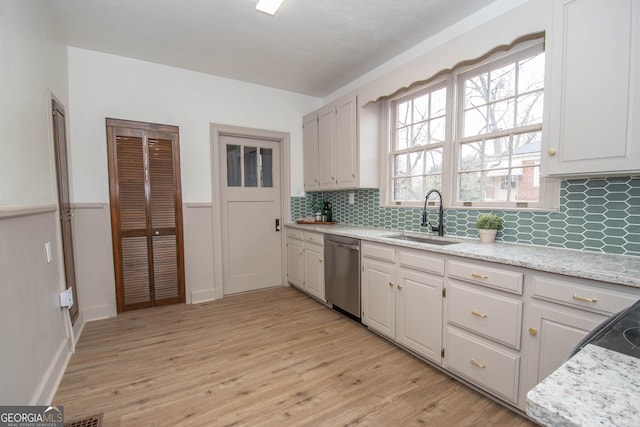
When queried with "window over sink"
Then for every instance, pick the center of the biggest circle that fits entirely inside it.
(475, 134)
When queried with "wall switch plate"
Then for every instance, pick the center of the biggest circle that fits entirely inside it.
(47, 250)
(351, 198)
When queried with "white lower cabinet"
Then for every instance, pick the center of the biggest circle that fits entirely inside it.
(305, 261)
(379, 296)
(494, 368)
(400, 301)
(484, 311)
(553, 332)
(562, 311)
(295, 261)
(314, 270)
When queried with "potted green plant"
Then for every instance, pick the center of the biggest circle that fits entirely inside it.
(488, 225)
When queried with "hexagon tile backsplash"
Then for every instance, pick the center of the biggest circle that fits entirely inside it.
(601, 215)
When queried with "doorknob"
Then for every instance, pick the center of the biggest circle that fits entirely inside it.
(277, 224)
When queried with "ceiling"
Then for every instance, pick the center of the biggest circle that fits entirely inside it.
(309, 47)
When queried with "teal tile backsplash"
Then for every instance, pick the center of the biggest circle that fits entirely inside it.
(601, 215)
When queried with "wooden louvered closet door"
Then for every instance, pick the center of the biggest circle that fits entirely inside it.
(146, 215)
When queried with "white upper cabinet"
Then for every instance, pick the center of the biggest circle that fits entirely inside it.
(310, 152)
(592, 88)
(334, 153)
(346, 144)
(327, 147)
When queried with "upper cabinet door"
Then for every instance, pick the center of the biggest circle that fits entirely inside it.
(346, 144)
(310, 152)
(592, 88)
(326, 147)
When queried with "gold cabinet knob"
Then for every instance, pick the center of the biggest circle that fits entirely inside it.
(399, 286)
(391, 284)
(353, 175)
(533, 331)
(333, 178)
(552, 151)
(319, 260)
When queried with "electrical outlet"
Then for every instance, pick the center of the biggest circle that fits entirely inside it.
(351, 198)
(66, 298)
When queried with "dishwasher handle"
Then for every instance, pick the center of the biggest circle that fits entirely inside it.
(342, 245)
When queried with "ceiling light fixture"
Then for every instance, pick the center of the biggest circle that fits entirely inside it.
(269, 7)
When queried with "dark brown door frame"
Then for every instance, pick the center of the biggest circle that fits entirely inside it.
(147, 130)
(64, 204)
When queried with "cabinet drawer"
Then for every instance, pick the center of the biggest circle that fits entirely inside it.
(294, 234)
(494, 316)
(383, 252)
(315, 238)
(505, 280)
(421, 260)
(487, 365)
(580, 295)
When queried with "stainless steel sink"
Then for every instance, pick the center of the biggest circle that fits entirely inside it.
(427, 240)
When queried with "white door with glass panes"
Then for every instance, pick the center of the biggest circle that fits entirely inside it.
(251, 195)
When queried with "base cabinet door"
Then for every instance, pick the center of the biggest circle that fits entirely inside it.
(295, 259)
(314, 270)
(378, 297)
(419, 313)
(553, 333)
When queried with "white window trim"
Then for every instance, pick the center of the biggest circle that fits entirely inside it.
(549, 196)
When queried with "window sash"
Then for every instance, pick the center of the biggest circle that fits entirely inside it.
(451, 146)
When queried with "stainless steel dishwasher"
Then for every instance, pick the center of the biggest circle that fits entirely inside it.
(342, 273)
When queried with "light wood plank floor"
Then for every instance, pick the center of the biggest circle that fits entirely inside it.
(268, 358)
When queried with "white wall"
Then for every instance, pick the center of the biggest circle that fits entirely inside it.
(33, 337)
(103, 85)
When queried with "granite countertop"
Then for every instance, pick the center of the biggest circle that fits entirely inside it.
(596, 387)
(617, 269)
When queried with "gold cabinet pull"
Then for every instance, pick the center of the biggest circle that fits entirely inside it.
(353, 175)
(391, 284)
(579, 298)
(399, 286)
(479, 276)
(533, 331)
(477, 313)
(478, 364)
(552, 151)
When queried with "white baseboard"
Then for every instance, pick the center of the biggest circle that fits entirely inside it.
(98, 312)
(50, 381)
(203, 296)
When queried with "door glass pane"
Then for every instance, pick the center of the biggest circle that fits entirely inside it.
(250, 166)
(266, 167)
(234, 179)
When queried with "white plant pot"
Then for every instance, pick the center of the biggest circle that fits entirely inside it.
(487, 236)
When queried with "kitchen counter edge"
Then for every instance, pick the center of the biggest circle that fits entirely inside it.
(610, 268)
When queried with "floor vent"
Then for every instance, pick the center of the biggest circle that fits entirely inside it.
(90, 421)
